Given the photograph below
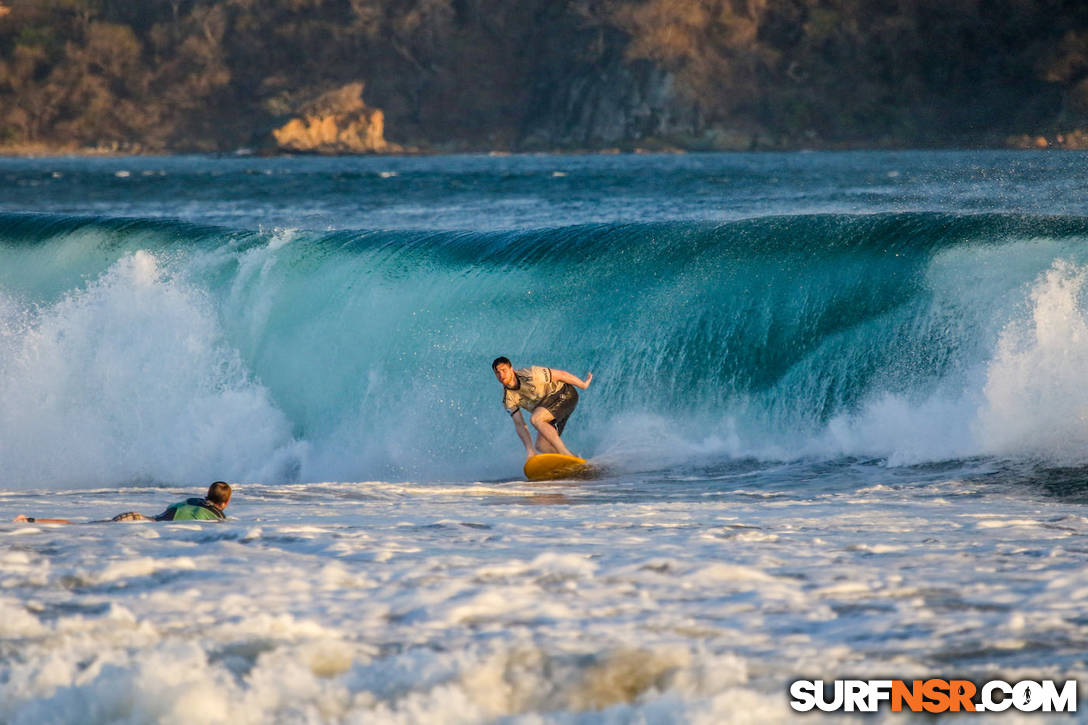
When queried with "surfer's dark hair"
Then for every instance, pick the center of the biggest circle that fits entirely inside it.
(501, 361)
(219, 493)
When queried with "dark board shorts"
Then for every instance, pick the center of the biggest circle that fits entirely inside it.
(561, 404)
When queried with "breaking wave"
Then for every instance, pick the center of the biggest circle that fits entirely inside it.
(149, 350)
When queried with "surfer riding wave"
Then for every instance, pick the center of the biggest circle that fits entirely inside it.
(550, 397)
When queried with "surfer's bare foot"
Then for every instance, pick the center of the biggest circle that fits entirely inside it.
(21, 518)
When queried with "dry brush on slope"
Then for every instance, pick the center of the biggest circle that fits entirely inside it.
(208, 75)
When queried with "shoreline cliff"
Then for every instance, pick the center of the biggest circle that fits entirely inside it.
(442, 76)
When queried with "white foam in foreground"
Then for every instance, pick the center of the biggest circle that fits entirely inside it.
(409, 603)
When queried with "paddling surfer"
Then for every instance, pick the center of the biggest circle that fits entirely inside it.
(209, 508)
(548, 394)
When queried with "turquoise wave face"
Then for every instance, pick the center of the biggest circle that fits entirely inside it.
(159, 350)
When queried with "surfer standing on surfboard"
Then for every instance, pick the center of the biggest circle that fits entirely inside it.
(548, 394)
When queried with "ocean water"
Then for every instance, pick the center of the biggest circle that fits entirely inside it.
(839, 402)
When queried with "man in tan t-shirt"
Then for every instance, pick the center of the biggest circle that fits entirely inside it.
(548, 394)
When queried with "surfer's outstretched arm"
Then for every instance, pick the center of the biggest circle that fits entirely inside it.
(564, 377)
(31, 520)
(523, 432)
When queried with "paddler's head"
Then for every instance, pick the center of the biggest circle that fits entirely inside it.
(218, 494)
(504, 372)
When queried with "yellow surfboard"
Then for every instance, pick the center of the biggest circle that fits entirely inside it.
(550, 466)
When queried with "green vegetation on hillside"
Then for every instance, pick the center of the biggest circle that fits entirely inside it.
(450, 74)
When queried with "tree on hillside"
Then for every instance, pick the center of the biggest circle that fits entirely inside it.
(215, 74)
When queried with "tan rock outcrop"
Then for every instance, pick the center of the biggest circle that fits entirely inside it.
(337, 122)
(1076, 139)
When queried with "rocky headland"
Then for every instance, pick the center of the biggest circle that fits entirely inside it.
(347, 76)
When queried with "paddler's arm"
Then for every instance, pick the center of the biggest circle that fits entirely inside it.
(21, 518)
(523, 433)
(564, 377)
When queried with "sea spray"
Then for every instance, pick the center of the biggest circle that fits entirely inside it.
(1036, 398)
(128, 379)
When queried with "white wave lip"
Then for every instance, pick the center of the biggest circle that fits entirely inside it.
(1036, 397)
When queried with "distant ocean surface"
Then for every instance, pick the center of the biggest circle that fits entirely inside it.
(839, 399)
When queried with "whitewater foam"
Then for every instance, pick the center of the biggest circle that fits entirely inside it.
(129, 379)
(1036, 400)
(391, 609)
